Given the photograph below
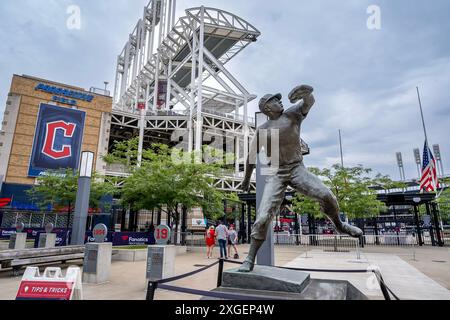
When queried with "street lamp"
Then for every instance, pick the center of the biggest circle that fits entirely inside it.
(265, 255)
(87, 163)
(82, 201)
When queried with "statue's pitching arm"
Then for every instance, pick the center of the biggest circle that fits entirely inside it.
(303, 93)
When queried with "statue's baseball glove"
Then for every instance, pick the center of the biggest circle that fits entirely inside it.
(300, 92)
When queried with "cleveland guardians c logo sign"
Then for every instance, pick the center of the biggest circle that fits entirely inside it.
(49, 149)
(58, 139)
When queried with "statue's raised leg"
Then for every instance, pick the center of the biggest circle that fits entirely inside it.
(270, 205)
(310, 185)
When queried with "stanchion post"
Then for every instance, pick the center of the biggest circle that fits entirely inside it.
(358, 253)
(383, 287)
(152, 286)
(306, 245)
(414, 252)
(219, 276)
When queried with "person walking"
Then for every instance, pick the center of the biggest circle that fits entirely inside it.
(232, 242)
(222, 235)
(210, 241)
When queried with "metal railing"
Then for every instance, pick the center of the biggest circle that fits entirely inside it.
(327, 242)
(188, 239)
(334, 243)
(33, 219)
(390, 240)
(401, 240)
(104, 92)
(195, 239)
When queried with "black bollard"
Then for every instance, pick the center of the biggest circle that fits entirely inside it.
(152, 286)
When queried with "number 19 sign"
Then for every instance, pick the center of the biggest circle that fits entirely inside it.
(162, 234)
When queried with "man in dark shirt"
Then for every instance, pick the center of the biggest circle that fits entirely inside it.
(284, 128)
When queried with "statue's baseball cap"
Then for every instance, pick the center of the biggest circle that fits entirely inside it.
(268, 97)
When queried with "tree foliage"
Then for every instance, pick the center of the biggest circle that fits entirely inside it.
(444, 200)
(58, 188)
(353, 188)
(167, 179)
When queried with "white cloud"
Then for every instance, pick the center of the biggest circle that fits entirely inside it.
(365, 80)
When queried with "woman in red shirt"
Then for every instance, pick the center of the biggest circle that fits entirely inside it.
(210, 241)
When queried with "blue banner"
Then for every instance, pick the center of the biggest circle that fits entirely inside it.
(57, 140)
(89, 238)
(63, 236)
(126, 238)
(133, 238)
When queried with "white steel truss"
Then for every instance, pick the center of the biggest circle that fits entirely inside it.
(174, 71)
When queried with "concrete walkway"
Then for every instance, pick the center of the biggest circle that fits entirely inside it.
(403, 275)
(402, 278)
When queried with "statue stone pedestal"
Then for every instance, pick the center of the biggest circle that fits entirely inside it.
(278, 283)
(266, 278)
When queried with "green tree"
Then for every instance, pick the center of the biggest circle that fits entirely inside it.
(444, 201)
(58, 188)
(385, 183)
(55, 189)
(353, 188)
(164, 182)
(234, 202)
(305, 205)
(124, 152)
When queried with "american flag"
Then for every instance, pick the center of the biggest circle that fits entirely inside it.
(429, 181)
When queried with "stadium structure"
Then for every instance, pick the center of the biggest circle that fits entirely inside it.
(172, 81)
(172, 86)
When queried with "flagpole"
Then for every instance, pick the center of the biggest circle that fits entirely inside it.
(342, 164)
(426, 136)
(340, 145)
(423, 120)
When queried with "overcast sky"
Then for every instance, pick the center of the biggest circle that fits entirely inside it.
(364, 80)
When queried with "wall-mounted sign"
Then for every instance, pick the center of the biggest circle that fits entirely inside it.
(199, 223)
(70, 95)
(49, 227)
(162, 93)
(162, 234)
(19, 227)
(4, 202)
(100, 232)
(58, 139)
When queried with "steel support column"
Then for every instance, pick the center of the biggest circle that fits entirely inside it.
(416, 220)
(199, 118)
(249, 222)
(433, 241)
(436, 224)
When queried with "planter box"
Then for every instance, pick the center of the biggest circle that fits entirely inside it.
(138, 254)
(129, 255)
